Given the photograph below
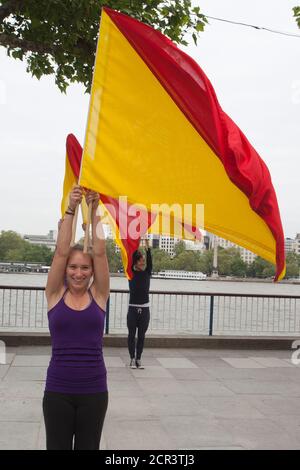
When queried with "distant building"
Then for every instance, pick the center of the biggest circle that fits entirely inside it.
(153, 240)
(297, 244)
(292, 245)
(207, 242)
(47, 240)
(289, 245)
(246, 255)
(167, 244)
(190, 245)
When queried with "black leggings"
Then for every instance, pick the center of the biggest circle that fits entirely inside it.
(137, 319)
(78, 416)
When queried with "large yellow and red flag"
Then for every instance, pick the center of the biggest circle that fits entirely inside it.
(157, 134)
(118, 213)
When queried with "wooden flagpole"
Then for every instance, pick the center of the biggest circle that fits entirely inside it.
(74, 225)
(87, 230)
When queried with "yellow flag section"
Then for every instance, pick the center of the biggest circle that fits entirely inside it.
(69, 181)
(71, 178)
(139, 143)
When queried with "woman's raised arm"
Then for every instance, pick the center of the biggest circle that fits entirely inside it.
(101, 270)
(55, 281)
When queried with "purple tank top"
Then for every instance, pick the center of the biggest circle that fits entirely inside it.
(77, 364)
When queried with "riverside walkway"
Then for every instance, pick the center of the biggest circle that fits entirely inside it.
(184, 399)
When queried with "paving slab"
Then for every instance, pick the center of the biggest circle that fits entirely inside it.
(160, 386)
(21, 389)
(259, 434)
(243, 363)
(26, 373)
(20, 410)
(176, 363)
(272, 405)
(114, 361)
(176, 405)
(258, 374)
(196, 432)
(230, 407)
(183, 399)
(271, 361)
(129, 407)
(4, 368)
(191, 374)
(200, 388)
(126, 388)
(262, 387)
(18, 436)
(30, 361)
(151, 371)
(137, 434)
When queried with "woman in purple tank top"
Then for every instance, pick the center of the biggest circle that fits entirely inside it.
(76, 397)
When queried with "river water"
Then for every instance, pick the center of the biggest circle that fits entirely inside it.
(176, 285)
(178, 312)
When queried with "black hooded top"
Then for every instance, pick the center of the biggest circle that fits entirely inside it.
(140, 283)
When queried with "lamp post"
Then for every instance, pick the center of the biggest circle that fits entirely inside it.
(215, 273)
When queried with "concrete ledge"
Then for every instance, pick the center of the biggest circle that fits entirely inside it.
(206, 342)
(167, 341)
(25, 338)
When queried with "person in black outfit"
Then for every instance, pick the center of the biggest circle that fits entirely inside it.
(138, 316)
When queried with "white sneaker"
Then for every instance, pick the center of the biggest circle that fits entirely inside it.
(139, 364)
(132, 364)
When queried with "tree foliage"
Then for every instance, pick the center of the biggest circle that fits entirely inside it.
(230, 263)
(59, 36)
(113, 256)
(296, 11)
(14, 248)
(160, 260)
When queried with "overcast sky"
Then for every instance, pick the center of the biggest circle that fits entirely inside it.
(256, 76)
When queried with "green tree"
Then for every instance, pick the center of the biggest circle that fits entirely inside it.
(206, 262)
(37, 253)
(238, 267)
(9, 240)
(161, 260)
(224, 261)
(292, 265)
(113, 256)
(230, 262)
(21, 250)
(296, 11)
(59, 36)
(261, 268)
(187, 261)
(292, 270)
(179, 248)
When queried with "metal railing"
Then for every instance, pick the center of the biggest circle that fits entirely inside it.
(25, 309)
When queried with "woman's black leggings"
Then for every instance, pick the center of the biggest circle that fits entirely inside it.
(137, 319)
(74, 417)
